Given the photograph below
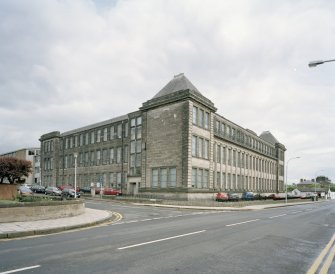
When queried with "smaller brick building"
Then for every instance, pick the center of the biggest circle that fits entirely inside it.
(176, 145)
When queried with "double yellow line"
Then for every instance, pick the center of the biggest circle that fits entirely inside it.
(118, 217)
(327, 262)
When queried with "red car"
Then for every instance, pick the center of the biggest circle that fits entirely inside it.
(69, 187)
(221, 197)
(111, 191)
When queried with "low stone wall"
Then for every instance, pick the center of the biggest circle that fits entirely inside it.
(22, 212)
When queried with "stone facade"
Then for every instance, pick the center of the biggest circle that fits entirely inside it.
(176, 145)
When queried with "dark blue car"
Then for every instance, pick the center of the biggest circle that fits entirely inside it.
(247, 196)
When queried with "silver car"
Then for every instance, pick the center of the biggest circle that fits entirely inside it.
(52, 190)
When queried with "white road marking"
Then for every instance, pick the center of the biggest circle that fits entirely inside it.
(20, 269)
(277, 216)
(161, 240)
(255, 220)
(294, 212)
(164, 217)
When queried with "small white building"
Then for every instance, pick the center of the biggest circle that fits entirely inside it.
(330, 195)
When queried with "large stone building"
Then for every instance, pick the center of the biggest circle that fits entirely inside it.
(174, 145)
(31, 154)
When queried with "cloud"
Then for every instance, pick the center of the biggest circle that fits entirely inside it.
(67, 64)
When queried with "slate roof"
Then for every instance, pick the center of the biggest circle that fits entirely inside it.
(178, 89)
(179, 82)
(268, 137)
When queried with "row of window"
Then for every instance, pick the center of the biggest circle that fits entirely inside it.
(200, 178)
(135, 148)
(164, 177)
(240, 182)
(48, 146)
(48, 181)
(48, 164)
(135, 164)
(105, 134)
(96, 136)
(200, 117)
(239, 136)
(200, 147)
(98, 157)
(235, 158)
(111, 179)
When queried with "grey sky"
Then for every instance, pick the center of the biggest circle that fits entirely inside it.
(68, 64)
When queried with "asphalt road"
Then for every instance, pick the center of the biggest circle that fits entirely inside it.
(161, 240)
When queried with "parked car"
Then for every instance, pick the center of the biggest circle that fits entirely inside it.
(221, 197)
(85, 189)
(69, 193)
(248, 196)
(68, 186)
(38, 188)
(270, 196)
(261, 196)
(52, 190)
(233, 197)
(25, 191)
(111, 191)
(279, 196)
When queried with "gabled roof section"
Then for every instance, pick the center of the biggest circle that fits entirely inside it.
(268, 137)
(179, 82)
(178, 89)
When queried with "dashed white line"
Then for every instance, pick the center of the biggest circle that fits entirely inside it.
(20, 269)
(294, 212)
(161, 240)
(277, 216)
(163, 217)
(255, 220)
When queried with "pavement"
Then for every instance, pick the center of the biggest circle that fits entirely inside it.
(228, 208)
(90, 217)
(93, 217)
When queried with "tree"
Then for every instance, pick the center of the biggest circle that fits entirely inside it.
(13, 169)
(291, 187)
(324, 181)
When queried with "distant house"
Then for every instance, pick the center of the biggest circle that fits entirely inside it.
(310, 186)
(306, 184)
(31, 154)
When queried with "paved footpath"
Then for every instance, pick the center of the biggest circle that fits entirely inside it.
(89, 218)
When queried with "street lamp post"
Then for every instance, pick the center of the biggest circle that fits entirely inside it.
(75, 155)
(313, 64)
(286, 175)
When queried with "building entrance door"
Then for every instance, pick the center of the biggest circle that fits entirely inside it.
(133, 190)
